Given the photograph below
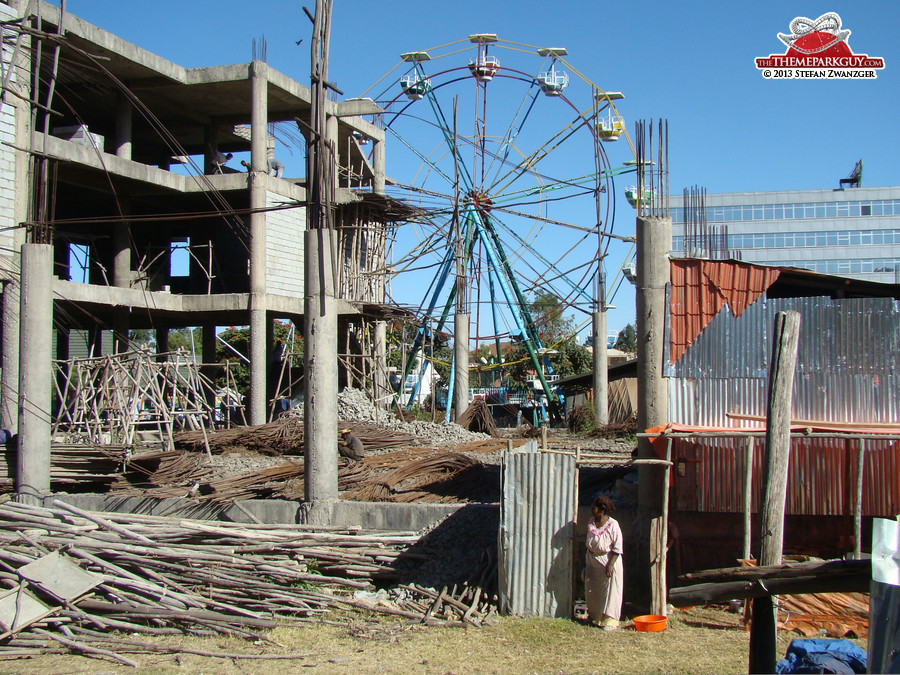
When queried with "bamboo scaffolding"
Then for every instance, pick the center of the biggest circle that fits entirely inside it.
(109, 400)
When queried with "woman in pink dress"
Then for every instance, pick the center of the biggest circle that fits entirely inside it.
(603, 566)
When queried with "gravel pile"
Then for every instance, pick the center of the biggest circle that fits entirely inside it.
(354, 406)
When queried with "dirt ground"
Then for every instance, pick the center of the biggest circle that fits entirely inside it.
(698, 640)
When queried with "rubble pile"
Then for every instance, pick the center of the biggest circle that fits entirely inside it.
(354, 406)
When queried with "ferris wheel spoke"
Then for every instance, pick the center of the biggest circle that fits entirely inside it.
(537, 254)
(530, 161)
(422, 157)
(448, 132)
(501, 157)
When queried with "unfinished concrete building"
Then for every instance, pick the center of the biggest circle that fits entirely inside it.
(111, 159)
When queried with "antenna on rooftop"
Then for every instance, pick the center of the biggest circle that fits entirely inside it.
(854, 179)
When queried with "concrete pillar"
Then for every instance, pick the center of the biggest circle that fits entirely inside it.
(209, 343)
(121, 273)
(320, 357)
(210, 146)
(601, 367)
(121, 267)
(162, 340)
(378, 167)
(20, 84)
(273, 364)
(35, 372)
(382, 383)
(123, 127)
(258, 178)
(653, 243)
(461, 363)
(63, 349)
(9, 376)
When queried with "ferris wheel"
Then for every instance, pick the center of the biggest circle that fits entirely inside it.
(501, 147)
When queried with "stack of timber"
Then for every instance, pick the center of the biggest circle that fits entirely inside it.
(433, 476)
(73, 464)
(155, 576)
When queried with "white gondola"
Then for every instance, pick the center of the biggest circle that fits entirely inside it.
(414, 87)
(552, 83)
(484, 68)
(610, 128)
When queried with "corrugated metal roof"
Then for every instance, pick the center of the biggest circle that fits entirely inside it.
(701, 288)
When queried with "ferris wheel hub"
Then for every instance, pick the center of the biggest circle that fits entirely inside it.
(481, 201)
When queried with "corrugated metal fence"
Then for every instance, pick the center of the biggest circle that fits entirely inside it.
(821, 479)
(846, 373)
(846, 364)
(536, 533)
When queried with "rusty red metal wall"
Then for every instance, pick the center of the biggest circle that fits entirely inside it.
(821, 477)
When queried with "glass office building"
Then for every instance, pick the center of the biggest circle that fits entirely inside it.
(852, 232)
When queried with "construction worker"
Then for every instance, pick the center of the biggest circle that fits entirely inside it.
(276, 167)
(219, 161)
(351, 447)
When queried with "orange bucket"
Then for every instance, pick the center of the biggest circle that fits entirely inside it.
(649, 623)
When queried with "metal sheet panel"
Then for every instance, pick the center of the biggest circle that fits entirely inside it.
(536, 530)
(727, 347)
(846, 365)
(708, 402)
(821, 476)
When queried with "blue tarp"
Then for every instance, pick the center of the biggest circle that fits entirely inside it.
(819, 655)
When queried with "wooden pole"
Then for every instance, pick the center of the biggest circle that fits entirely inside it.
(748, 495)
(660, 526)
(778, 445)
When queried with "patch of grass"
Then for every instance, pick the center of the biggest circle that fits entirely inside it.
(700, 640)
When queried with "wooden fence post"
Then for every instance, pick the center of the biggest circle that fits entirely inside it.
(778, 445)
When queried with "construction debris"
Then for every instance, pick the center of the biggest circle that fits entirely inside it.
(159, 576)
(478, 417)
(402, 476)
(284, 436)
(354, 405)
(375, 427)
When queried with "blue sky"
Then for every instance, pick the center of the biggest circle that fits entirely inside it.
(690, 62)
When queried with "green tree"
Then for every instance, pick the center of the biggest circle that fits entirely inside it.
(182, 338)
(142, 338)
(557, 334)
(626, 340)
(238, 344)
